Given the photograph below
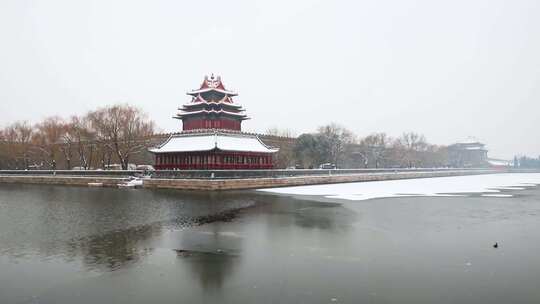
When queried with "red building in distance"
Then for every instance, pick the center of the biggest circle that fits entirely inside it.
(212, 137)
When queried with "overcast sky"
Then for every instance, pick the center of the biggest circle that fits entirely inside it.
(447, 69)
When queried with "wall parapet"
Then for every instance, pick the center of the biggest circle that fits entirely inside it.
(274, 182)
(223, 180)
(239, 174)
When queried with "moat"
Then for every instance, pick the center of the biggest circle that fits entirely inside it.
(102, 245)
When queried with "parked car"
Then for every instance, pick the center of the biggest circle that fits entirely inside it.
(295, 167)
(146, 168)
(113, 167)
(327, 166)
(116, 167)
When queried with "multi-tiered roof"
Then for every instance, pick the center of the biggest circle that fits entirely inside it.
(212, 107)
(212, 137)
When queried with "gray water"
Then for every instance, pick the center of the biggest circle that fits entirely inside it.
(91, 245)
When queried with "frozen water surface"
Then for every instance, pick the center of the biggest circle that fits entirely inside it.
(436, 186)
(104, 245)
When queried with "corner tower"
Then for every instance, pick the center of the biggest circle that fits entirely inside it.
(211, 107)
(212, 137)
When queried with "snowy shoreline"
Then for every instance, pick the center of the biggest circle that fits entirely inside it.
(489, 185)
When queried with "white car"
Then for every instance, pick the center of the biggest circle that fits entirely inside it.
(327, 166)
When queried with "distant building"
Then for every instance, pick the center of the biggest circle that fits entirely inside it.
(468, 154)
(500, 163)
(212, 136)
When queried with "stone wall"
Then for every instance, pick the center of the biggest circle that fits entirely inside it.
(61, 180)
(239, 174)
(285, 157)
(257, 183)
(213, 184)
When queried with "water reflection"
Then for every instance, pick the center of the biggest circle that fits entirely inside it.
(107, 228)
(211, 255)
(113, 250)
(203, 240)
(332, 217)
(212, 269)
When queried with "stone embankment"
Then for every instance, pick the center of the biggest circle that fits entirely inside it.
(224, 180)
(62, 180)
(272, 182)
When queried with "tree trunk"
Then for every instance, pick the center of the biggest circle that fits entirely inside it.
(125, 163)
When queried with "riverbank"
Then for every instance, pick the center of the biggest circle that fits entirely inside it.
(278, 178)
(259, 183)
(63, 180)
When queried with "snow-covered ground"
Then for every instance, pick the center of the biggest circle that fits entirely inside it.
(490, 184)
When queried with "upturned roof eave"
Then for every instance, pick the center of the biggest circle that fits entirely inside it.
(193, 104)
(215, 133)
(270, 151)
(238, 115)
(205, 90)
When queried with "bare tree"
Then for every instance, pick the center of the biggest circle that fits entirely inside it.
(6, 148)
(123, 129)
(17, 138)
(337, 139)
(4, 162)
(79, 133)
(374, 149)
(48, 139)
(409, 146)
(435, 156)
(69, 140)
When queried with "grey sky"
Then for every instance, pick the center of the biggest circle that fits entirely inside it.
(447, 69)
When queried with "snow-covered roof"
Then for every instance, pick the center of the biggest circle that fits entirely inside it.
(183, 113)
(500, 162)
(469, 143)
(199, 91)
(469, 140)
(479, 147)
(201, 101)
(199, 98)
(192, 142)
(210, 84)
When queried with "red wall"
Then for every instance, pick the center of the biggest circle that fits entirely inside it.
(201, 123)
(214, 160)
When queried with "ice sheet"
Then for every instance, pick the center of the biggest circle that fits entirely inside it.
(436, 186)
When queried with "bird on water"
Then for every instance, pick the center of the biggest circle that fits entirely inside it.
(496, 245)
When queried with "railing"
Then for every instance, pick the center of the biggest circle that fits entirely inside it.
(236, 174)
